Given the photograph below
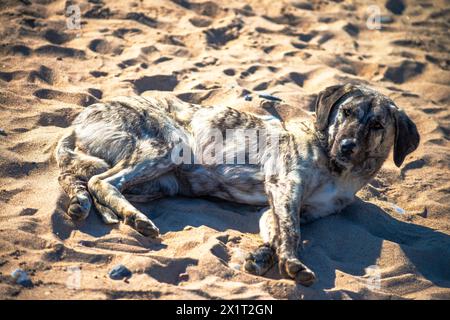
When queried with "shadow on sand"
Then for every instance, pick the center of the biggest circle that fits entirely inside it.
(350, 241)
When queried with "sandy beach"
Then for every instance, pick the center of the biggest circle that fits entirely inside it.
(58, 57)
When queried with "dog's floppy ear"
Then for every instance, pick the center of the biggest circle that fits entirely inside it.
(407, 137)
(326, 100)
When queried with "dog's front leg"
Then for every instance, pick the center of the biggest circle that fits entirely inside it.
(285, 193)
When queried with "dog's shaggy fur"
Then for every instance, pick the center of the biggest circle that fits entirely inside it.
(124, 150)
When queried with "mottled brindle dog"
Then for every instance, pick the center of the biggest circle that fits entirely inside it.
(124, 147)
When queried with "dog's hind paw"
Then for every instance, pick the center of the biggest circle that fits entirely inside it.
(145, 226)
(80, 206)
(260, 261)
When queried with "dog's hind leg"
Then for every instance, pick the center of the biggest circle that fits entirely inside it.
(76, 169)
(150, 160)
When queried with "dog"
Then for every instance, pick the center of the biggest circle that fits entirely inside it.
(128, 149)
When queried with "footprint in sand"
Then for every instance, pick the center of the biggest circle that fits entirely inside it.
(57, 37)
(105, 47)
(306, 37)
(229, 72)
(293, 77)
(351, 29)
(9, 76)
(218, 37)
(61, 118)
(28, 212)
(162, 59)
(442, 63)
(285, 18)
(122, 32)
(327, 36)
(200, 22)
(142, 19)
(98, 12)
(81, 99)
(44, 74)
(18, 49)
(157, 82)
(251, 70)
(303, 5)
(403, 72)
(173, 40)
(395, 6)
(58, 51)
(128, 63)
(98, 74)
(13, 168)
(97, 93)
(207, 8)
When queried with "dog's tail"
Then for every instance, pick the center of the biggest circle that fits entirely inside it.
(76, 168)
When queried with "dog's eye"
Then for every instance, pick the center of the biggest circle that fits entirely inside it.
(376, 125)
(347, 112)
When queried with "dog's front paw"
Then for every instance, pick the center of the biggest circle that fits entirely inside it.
(259, 261)
(292, 268)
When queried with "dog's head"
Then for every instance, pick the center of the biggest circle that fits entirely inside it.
(360, 126)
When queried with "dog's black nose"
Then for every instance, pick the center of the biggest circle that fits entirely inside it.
(347, 146)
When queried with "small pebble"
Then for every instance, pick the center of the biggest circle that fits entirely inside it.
(120, 272)
(22, 278)
(3, 132)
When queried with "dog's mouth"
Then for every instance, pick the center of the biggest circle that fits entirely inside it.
(340, 163)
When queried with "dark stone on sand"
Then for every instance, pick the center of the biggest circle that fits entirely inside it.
(22, 278)
(120, 272)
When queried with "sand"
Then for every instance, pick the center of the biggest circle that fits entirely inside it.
(392, 243)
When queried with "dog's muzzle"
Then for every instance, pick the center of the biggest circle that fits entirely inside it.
(347, 148)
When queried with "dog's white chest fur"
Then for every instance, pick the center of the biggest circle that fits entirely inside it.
(327, 199)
